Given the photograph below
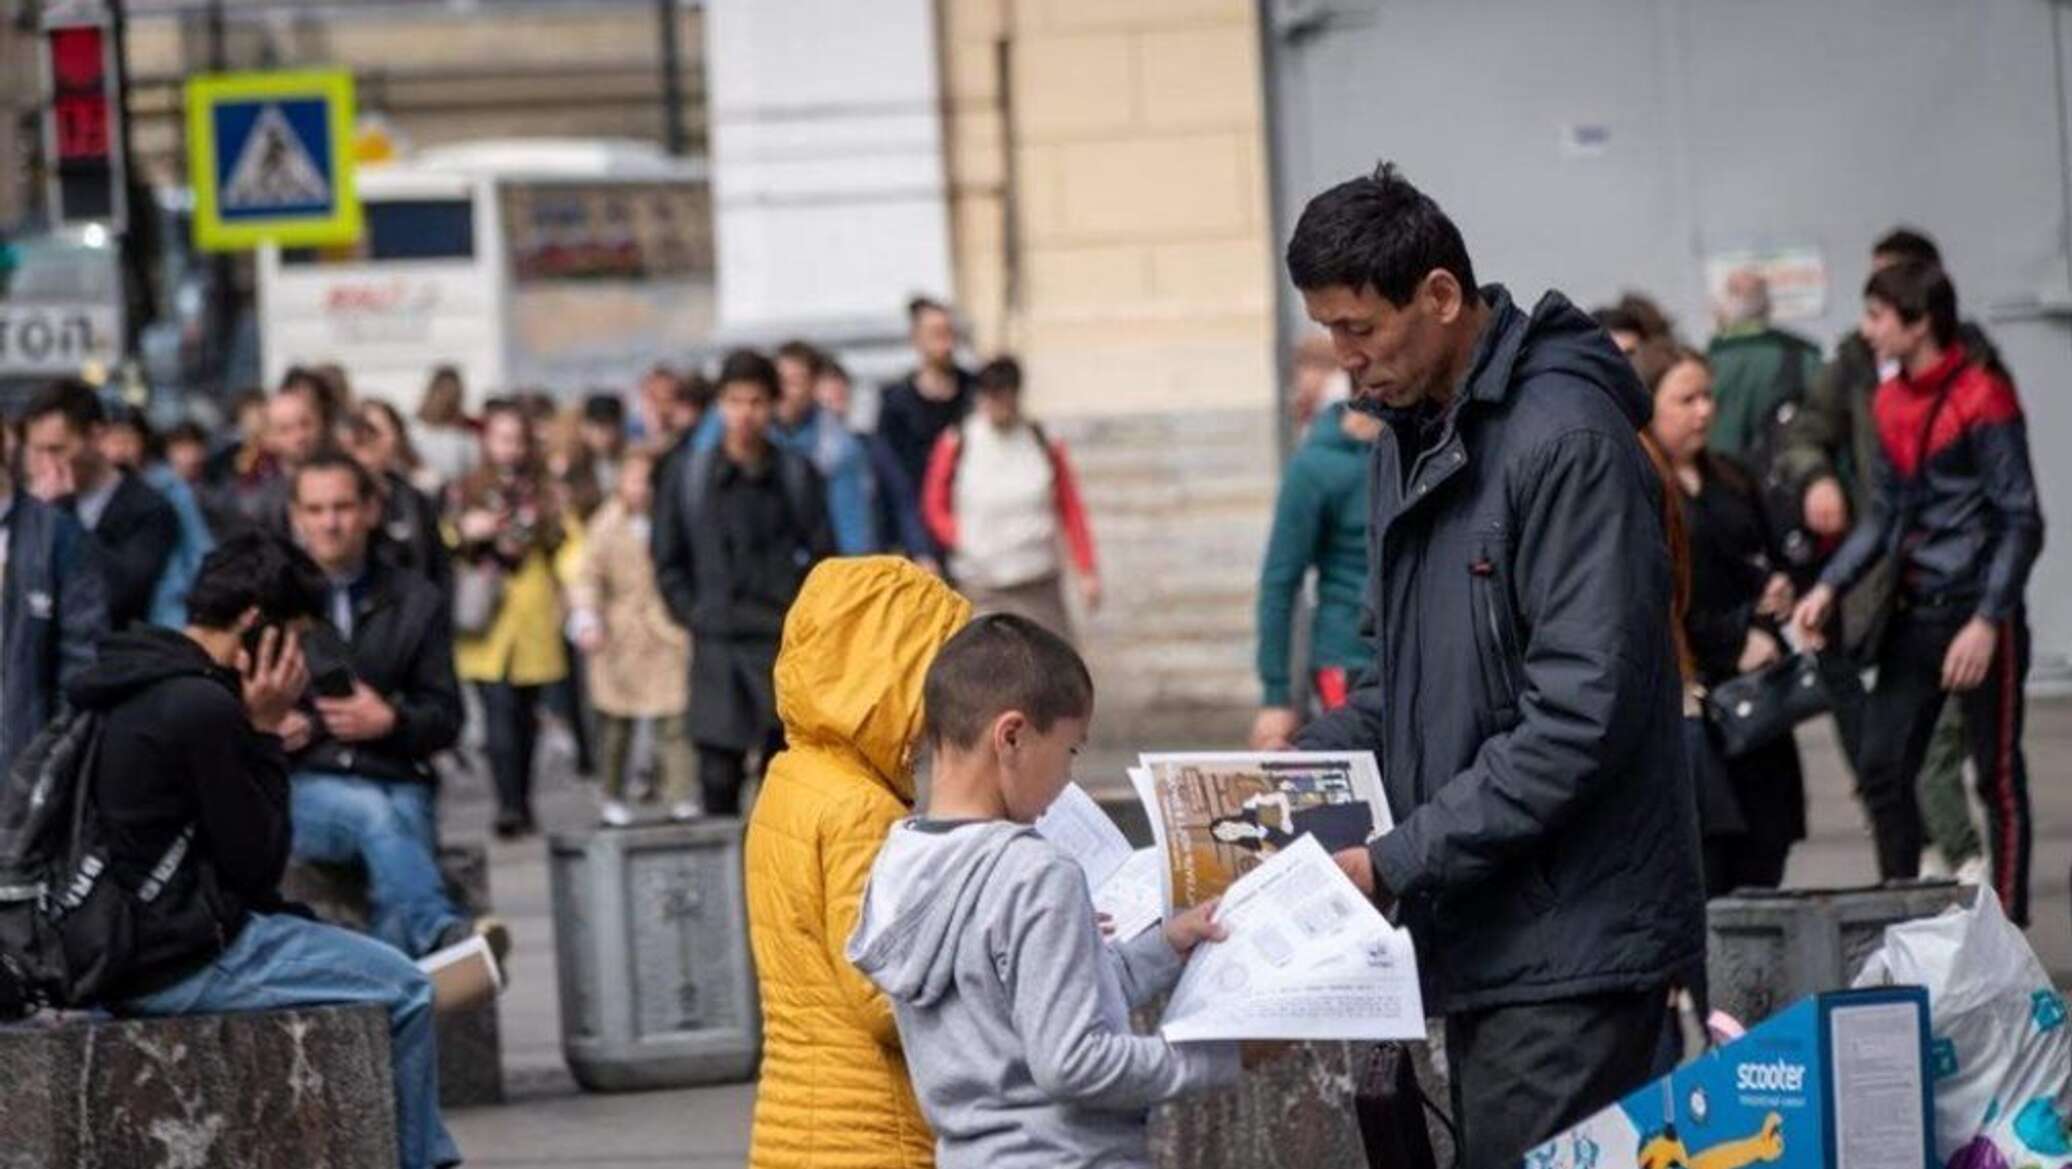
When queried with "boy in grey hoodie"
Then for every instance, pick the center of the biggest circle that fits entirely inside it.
(1012, 1009)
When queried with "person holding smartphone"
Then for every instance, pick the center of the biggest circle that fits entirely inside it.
(383, 700)
(191, 780)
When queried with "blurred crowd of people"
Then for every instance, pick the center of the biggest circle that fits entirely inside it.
(618, 567)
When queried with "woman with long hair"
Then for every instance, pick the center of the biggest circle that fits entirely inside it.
(1739, 599)
(507, 531)
(377, 440)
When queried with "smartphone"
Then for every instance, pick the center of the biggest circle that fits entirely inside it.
(330, 662)
(252, 639)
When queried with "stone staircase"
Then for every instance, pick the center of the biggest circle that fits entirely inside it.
(1180, 506)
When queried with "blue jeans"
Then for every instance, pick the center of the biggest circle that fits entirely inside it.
(388, 827)
(279, 961)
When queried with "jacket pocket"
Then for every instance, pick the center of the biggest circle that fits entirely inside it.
(1493, 640)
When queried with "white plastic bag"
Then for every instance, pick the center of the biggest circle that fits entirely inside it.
(2002, 1050)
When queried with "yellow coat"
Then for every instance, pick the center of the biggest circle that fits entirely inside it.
(857, 644)
(523, 645)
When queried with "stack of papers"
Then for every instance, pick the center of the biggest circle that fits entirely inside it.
(1308, 956)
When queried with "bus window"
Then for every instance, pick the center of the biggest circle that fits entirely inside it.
(402, 229)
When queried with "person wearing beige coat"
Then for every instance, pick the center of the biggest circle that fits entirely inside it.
(639, 659)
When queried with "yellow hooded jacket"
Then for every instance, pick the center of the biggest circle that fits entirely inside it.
(857, 644)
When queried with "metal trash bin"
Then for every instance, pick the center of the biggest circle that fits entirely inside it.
(1767, 949)
(651, 945)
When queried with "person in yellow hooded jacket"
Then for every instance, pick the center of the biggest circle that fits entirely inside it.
(857, 644)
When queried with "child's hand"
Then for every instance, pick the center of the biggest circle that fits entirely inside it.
(1190, 929)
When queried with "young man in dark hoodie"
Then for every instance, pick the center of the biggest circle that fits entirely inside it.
(1524, 699)
(192, 783)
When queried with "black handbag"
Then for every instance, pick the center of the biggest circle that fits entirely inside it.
(1390, 1106)
(1764, 705)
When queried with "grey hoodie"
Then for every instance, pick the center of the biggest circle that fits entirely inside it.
(1012, 1010)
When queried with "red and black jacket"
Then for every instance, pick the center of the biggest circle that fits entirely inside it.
(1953, 496)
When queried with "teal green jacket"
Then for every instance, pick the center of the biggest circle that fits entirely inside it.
(1747, 385)
(1320, 522)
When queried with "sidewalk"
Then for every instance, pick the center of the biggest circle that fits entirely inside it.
(549, 1122)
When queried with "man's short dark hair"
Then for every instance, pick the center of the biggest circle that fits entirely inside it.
(1377, 232)
(72, 398)
(746, 365)
(1000, 663)
(805, 353)
(1916, 290)
(1906, 243)
(1000, 375)
(605, 409)
(363, 479)
(188, 431)
(255, 568)
(916, 305)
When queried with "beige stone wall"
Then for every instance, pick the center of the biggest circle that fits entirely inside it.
(1138, 291)
(1143, 275)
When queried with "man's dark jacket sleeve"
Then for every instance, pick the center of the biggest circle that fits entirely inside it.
(1592, 583)
(82, 601)
(427, 705)
(2003, 457)
(136, 538)
(669, 540)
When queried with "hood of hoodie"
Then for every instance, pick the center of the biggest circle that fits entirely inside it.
(129, 662)
(923, 895)
(1556, 338)
(857, 645)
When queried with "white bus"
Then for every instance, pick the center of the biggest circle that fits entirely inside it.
(544, 264)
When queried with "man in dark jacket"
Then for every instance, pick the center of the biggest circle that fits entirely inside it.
(53, 609)
(746, 521)
(1829, 450)
(192, 783)
(1524, 698)
(1954, 501)
(363, 786)
(133, 526)
(936, 396)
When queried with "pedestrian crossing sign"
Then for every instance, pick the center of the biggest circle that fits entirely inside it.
(270, 159)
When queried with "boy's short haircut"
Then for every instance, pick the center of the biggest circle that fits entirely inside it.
(1000, 663)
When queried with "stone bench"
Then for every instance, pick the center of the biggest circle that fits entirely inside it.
(471, 1053)
(243, 1091)
(1767, 949)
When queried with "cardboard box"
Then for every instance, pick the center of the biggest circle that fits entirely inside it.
(1836, 1081)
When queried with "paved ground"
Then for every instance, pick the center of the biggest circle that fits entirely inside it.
(549, 1122)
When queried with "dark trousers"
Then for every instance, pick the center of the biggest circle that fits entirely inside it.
(1899, 723)
(1842, 678)
(1522, 1074)
(511, 728)
(722, 771)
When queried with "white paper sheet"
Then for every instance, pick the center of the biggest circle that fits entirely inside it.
(1078, 826)
(1308, 957)
(1133, 899)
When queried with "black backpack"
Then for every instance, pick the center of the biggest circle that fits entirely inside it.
(66, 927)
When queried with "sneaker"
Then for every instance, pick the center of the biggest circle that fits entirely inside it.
(1972, 872)
(685, 811)
(616, 814)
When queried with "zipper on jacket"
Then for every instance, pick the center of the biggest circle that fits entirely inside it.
(1484, 571)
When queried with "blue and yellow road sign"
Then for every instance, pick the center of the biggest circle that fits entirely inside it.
(270, 158)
